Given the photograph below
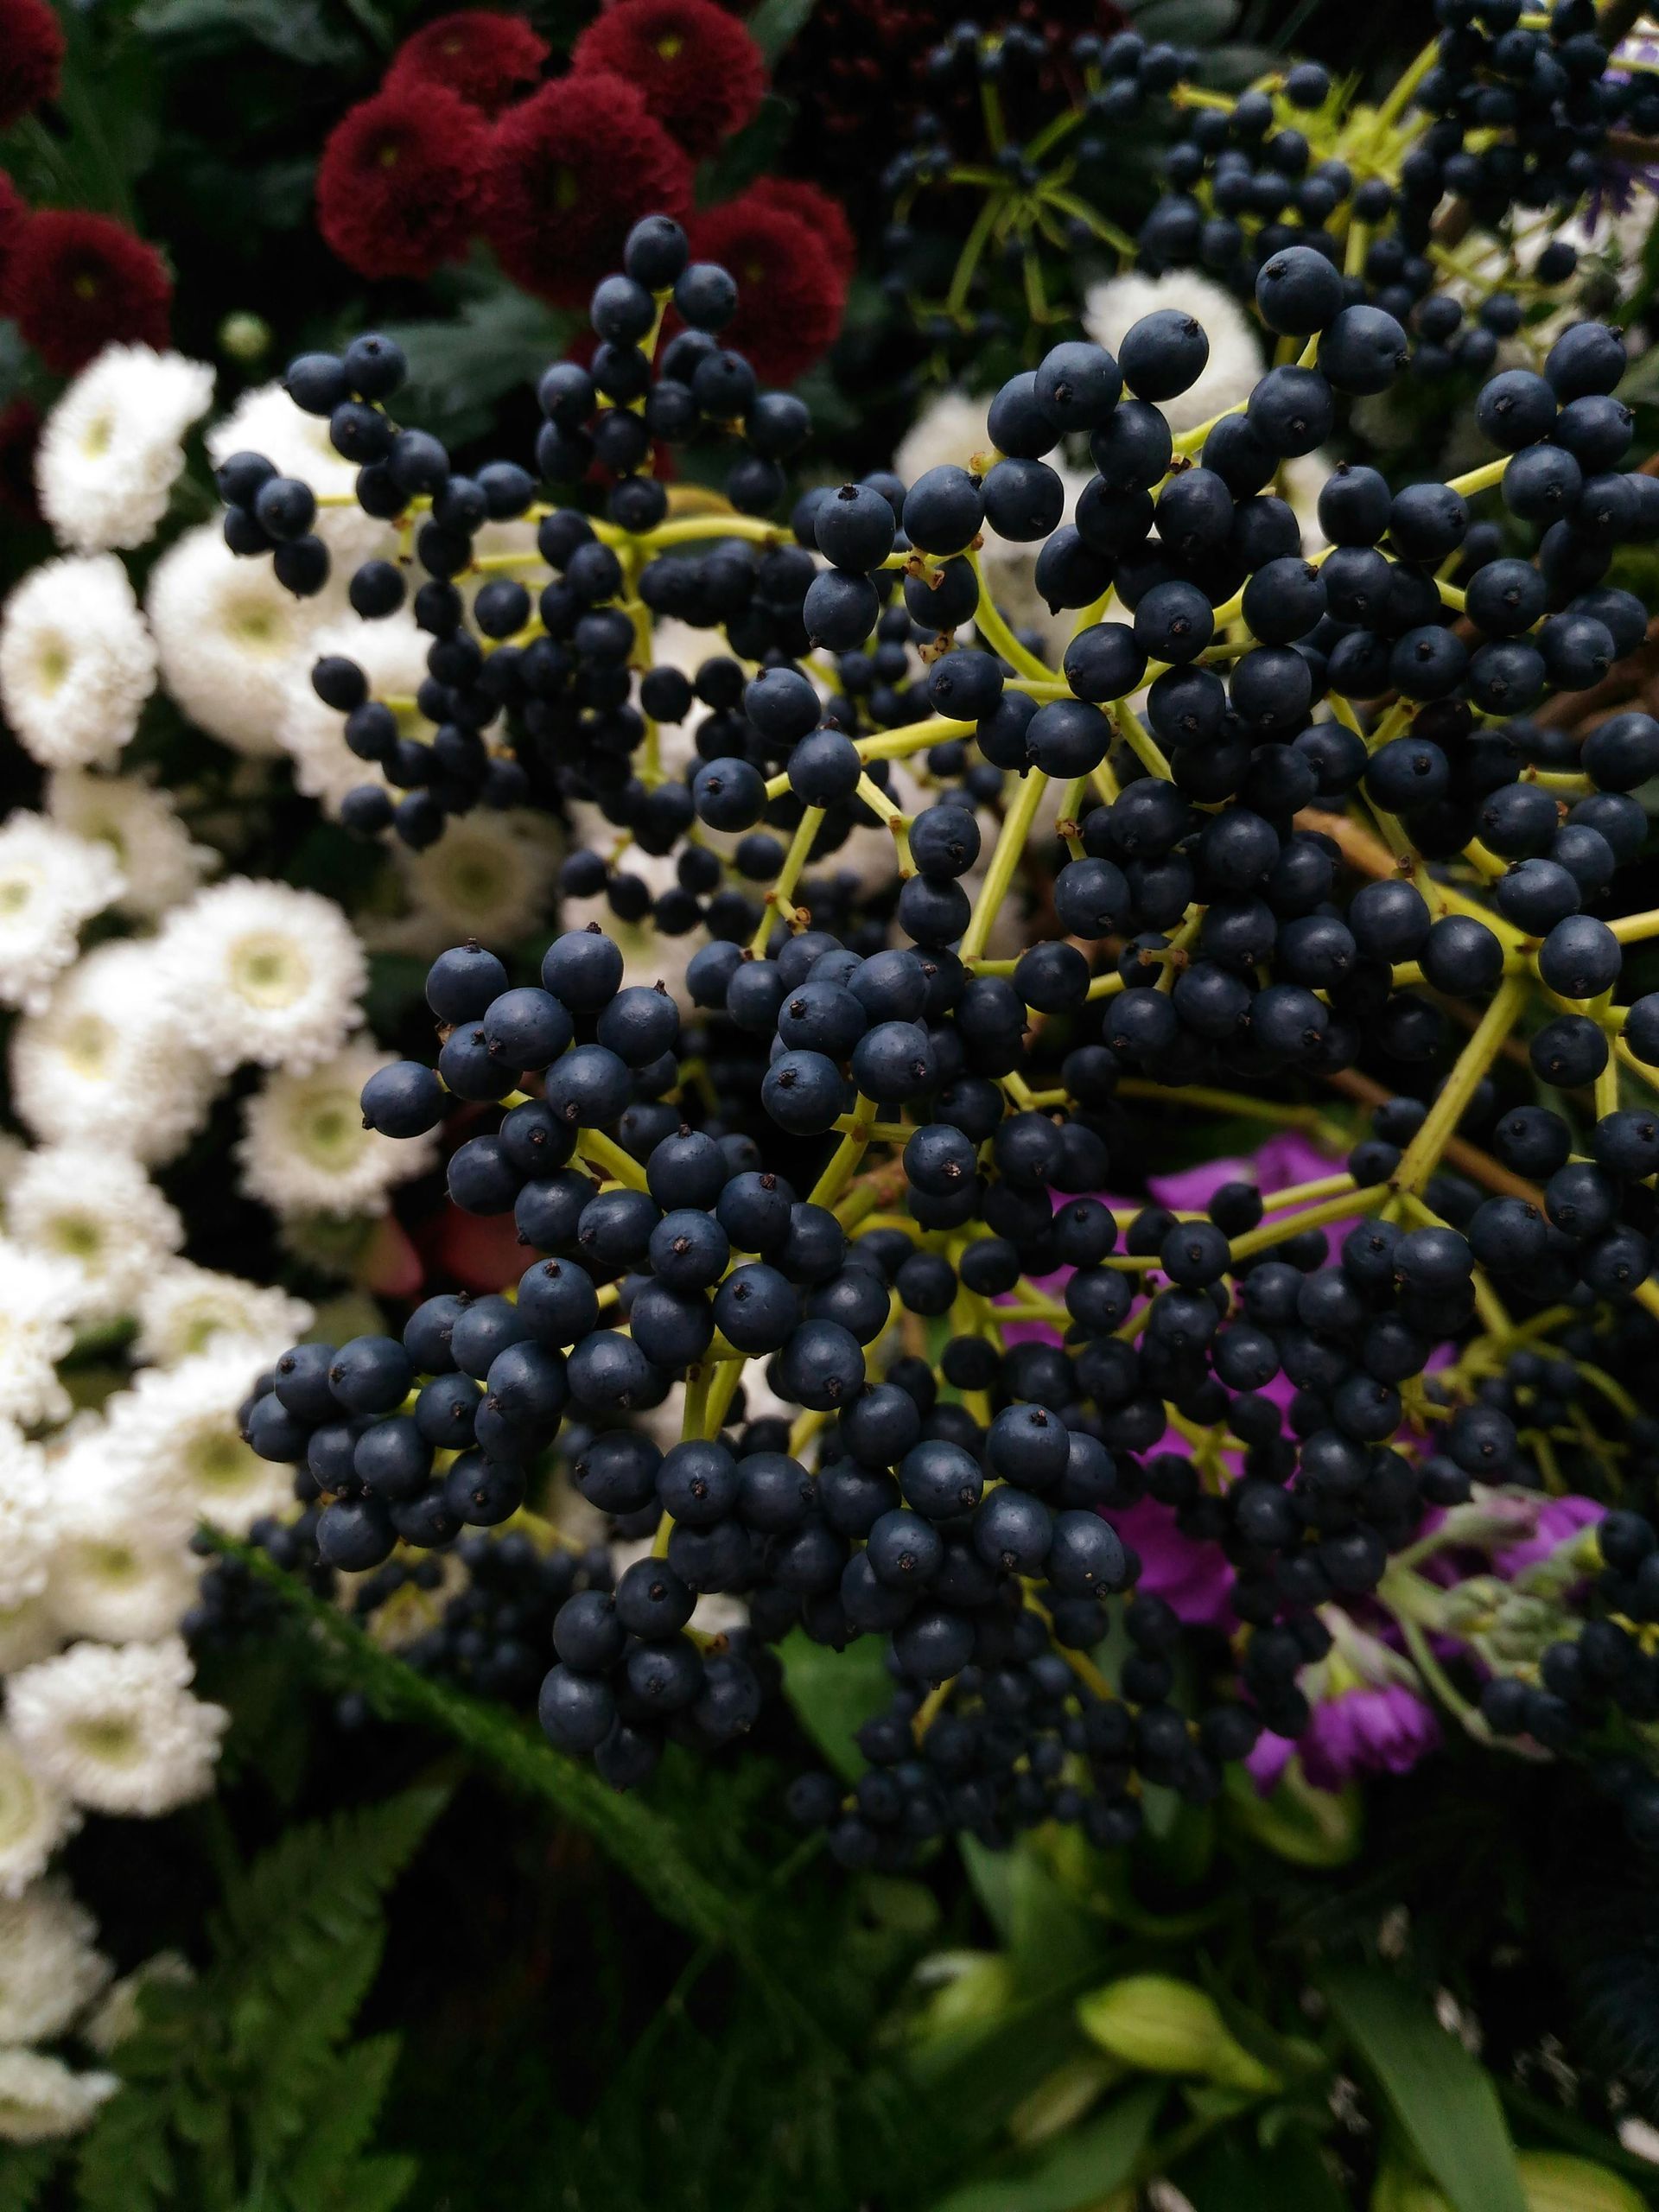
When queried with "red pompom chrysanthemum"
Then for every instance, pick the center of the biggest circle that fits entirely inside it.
(571, 170)
(14, 213)
(824, 217)
(489, 60)
(31, 58)
(790, 293)
(700, 72)
(400, 182)
(78, 282)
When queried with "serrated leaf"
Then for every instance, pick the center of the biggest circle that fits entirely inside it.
(125, 2163)
(341, 2117)
(296, 29)
(834, 1692)
(458, 368)
(369, 2185)
(24, 2172)
(1444, 2100)
(1082, 2169)
(777, 23)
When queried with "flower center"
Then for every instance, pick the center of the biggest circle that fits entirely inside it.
(20, 1801)
(220, 1460)
(109, 1736)
(267, 969)
(566, 190)
(95, 438)
(78, 1235)
(669, 44)
(88, 1045)
(331, 1132)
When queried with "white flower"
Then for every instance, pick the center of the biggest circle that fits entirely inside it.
(489, 876)
(950, 430)
(50, 883)
(76, 662)
(98, 1210)
(113, 446)
(121, 1569)
(266, 421)
(392, 656)
(34, 1819)
(183, 1309)
(42, 2099)
(260, 971)
(50, 1965)
(39, 1294)
(1234, 363)
(28, 1519)
(138, 821)
(304, 1148)
(228, 635)
(104, 1063)
(116, 1728)
(173, 1440)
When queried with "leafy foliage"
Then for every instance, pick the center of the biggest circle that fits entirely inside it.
(241, 2088)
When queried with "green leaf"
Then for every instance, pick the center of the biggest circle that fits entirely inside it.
(296, 29)
(458, 368)
(834, 1692)
(341, 2118)
(25, 2172)
(1444, 2101)
(1226, 2174)
(1048, 1936)
(370, 2186)
(1191, 23)
(777, 23)
(1078, 2171)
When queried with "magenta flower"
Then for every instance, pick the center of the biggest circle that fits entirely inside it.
(1560, 1518)
(1373, 1729)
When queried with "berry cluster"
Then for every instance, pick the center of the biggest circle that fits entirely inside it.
(1300, 813)
(1496, 116)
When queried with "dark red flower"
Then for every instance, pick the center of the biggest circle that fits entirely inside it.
(700, 73)
(78, 282)
(20, 433)
(824, 216)
(571, 170)
(14, 213)
(401, 181)
(31, 58)
(488, 58)
(790, 293)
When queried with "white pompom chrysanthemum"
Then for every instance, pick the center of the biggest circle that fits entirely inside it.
(99, 1212)
(77, 662)
(261, 972)
(265, 420)
(185, 1309)
(228, 635)
(392, 656)
(115, 1726)
(34, 1819)
(39, 1296)
(103, 1065)
(50, 1965)
(489, 876)
(122, 1566)
(139, 822)
(173, 1439)
(51, 882)
(28, 1518)
(113, 446)
(1235, 362)
(304, 1149)
(42, 2099)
